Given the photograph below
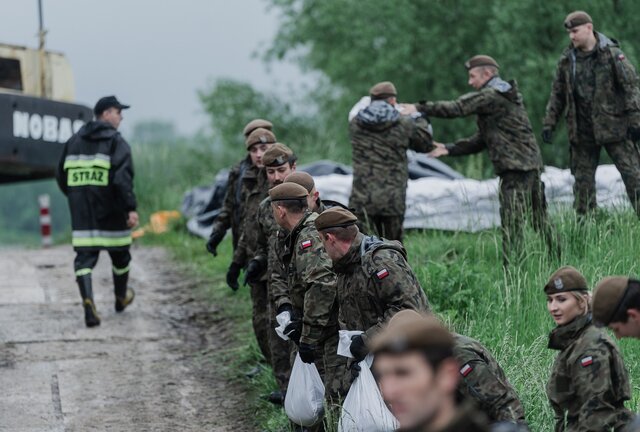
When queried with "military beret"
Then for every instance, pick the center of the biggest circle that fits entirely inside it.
(335, 217)
(288, 192)
(278, 155)
(577, 18)
(408, 330)
(302, 178)
(383, 90)
(255, 124)
(566, 279)
(607, 297)
(260, 136)
(480, 60)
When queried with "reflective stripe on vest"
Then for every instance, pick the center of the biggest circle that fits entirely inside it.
(98, 160)
(100, 238)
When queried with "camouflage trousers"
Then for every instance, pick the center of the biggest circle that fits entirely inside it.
(584, 162)
(522, 199)
(388, 227)
(280, 350)
(260, 316)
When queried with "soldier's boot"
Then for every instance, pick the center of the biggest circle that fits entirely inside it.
(91, 318)
(124, 294)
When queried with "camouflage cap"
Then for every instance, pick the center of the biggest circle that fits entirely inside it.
(566, 279)
(302, 178)
(577, 18)
(480, 60)
(335, 217)
(278, 155)
(383, 90)
(408, 330)
(260, 136)
(255, 124)
(607, 298)
(288, 192)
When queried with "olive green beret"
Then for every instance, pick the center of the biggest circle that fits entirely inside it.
(408, 330)
(302, 178)
(566, 279)
(278, 155)
(607, 297)
(255, 124)
(383, 90)
(480, 60)
(288, 192)
(260, 136)
(577, 18)
(335, 217)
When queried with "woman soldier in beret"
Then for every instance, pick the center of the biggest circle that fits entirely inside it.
(588, 383)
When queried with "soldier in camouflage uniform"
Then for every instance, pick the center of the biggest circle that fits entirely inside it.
(380, 138)
(597, 89)
(310, 296)
(589, 383)
(505, 131)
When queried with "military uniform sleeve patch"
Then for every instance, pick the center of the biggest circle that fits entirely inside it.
(382, 274)
(587, 361)
(466, 370)
(621, 57)
(306, 244)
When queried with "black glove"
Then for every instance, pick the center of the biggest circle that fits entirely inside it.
(306, 352)
(547, 135)
(253, 271)
(355, 370)
(294, 330)
(214, 241)
(232, 276)
(285, 308)
(634, 133)
(358, 348)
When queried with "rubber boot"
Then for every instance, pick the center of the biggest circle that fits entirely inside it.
(124, 294)
(91, 318)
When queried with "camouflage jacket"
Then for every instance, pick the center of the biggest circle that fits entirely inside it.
(380, 138)
(231, 212)
(254, 189)
(504, 128)
(374, 282)
(589, 382)
(483, 381)
(311, 283)
(466, 419)
(616, 97)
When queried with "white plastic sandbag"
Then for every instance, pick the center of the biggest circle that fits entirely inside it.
(304, 402)
(364, 409)
(283, 319)
(344, 342)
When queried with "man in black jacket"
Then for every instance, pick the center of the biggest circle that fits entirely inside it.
(96, 174)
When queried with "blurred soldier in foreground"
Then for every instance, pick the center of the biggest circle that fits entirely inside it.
(596, 87)
(96, 174)
(380, 138)
(616, 304)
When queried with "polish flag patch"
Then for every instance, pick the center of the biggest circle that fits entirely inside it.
(466, 370)
(587, 361)
(305, 244)
(382, 274)
(621, 57)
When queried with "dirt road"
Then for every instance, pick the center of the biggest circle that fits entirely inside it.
(142, 370)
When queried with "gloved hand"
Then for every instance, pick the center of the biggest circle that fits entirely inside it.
(355, 370)
(306, 352)
(547, 135)
(634, 133)
(253, 271)
(232, 276)
(358, 348)
(284, 308)
(214, 241)
(294, 330)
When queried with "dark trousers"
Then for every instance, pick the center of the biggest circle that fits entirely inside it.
(260, 317)
(388, 227)
(86, 260)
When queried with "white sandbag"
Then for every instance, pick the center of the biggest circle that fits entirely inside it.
(283, 319)
(364, 409)
(304, 402)
(344, 342)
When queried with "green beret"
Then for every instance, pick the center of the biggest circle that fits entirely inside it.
(255, 124)
(577, 18)
(383, 90)
(335, 217)
(408, 330)
(480, 60)
(302, 178)
(607, 297)
(260, 136)
(278, 155)
(565, 279)
(288, 192)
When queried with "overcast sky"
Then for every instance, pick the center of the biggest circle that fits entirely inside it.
(154, 55)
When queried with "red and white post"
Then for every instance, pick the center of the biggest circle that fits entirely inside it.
(45, 220)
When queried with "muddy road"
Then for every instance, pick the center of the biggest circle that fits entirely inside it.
(141, 370)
